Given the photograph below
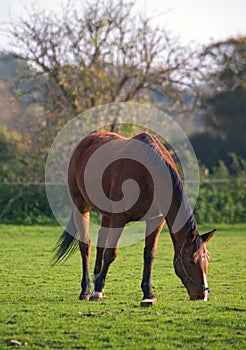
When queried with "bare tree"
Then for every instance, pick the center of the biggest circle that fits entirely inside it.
(81, 58)
(227, 62)
(104, 53)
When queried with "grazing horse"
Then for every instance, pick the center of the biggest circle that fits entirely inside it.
(158, 197)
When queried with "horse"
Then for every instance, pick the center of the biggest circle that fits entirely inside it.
(106, 169)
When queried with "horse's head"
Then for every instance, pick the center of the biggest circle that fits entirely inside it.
(191, 264)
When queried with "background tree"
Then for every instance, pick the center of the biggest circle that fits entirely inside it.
(223, 106)
(20, 200)
(105, 52)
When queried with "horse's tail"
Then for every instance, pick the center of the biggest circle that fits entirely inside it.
(67, 243)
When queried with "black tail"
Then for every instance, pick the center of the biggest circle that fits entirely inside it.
(67, 243)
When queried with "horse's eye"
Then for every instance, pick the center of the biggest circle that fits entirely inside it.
(192, 261)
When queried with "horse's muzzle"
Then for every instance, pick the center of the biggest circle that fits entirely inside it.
(200, 297)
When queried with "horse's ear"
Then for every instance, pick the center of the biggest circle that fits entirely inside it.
(191, 236)
(207, 236)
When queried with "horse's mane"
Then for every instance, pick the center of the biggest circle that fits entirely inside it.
(161, 154)
(158, 149)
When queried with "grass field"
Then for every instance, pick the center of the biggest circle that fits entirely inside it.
(39, 306)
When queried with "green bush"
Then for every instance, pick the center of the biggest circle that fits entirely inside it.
(24, 204)
(222, 202)
(218, 202)
(222, 195)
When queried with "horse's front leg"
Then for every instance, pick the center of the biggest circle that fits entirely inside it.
(153, 229)
(101, 246)
(107, 251)
(82, 223)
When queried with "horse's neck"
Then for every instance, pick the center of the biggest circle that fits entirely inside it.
(180, 219)
(178, 240)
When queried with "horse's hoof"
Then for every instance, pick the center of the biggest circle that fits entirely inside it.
(84, 296)
(148, 302)
(96, 296)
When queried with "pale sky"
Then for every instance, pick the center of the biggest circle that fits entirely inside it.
(192, 20)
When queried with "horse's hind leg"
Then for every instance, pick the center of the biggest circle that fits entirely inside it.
(101, 245)
(153, 229)
(82, 222)
(108, 237)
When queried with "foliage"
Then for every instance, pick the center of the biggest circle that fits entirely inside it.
(104, 52)
(222, 196)
(222, 202)
(40, 306)
(211, 149)
(6, 145)
(20, 169)
(24, 204)
(223, 101)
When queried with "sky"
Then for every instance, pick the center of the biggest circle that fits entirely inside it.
(192, 20)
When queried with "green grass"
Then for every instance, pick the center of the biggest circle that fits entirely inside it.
(39, 305)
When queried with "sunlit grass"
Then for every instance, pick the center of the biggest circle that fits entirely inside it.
(40, 307)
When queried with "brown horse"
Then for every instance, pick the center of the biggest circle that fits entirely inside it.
(131, 180)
